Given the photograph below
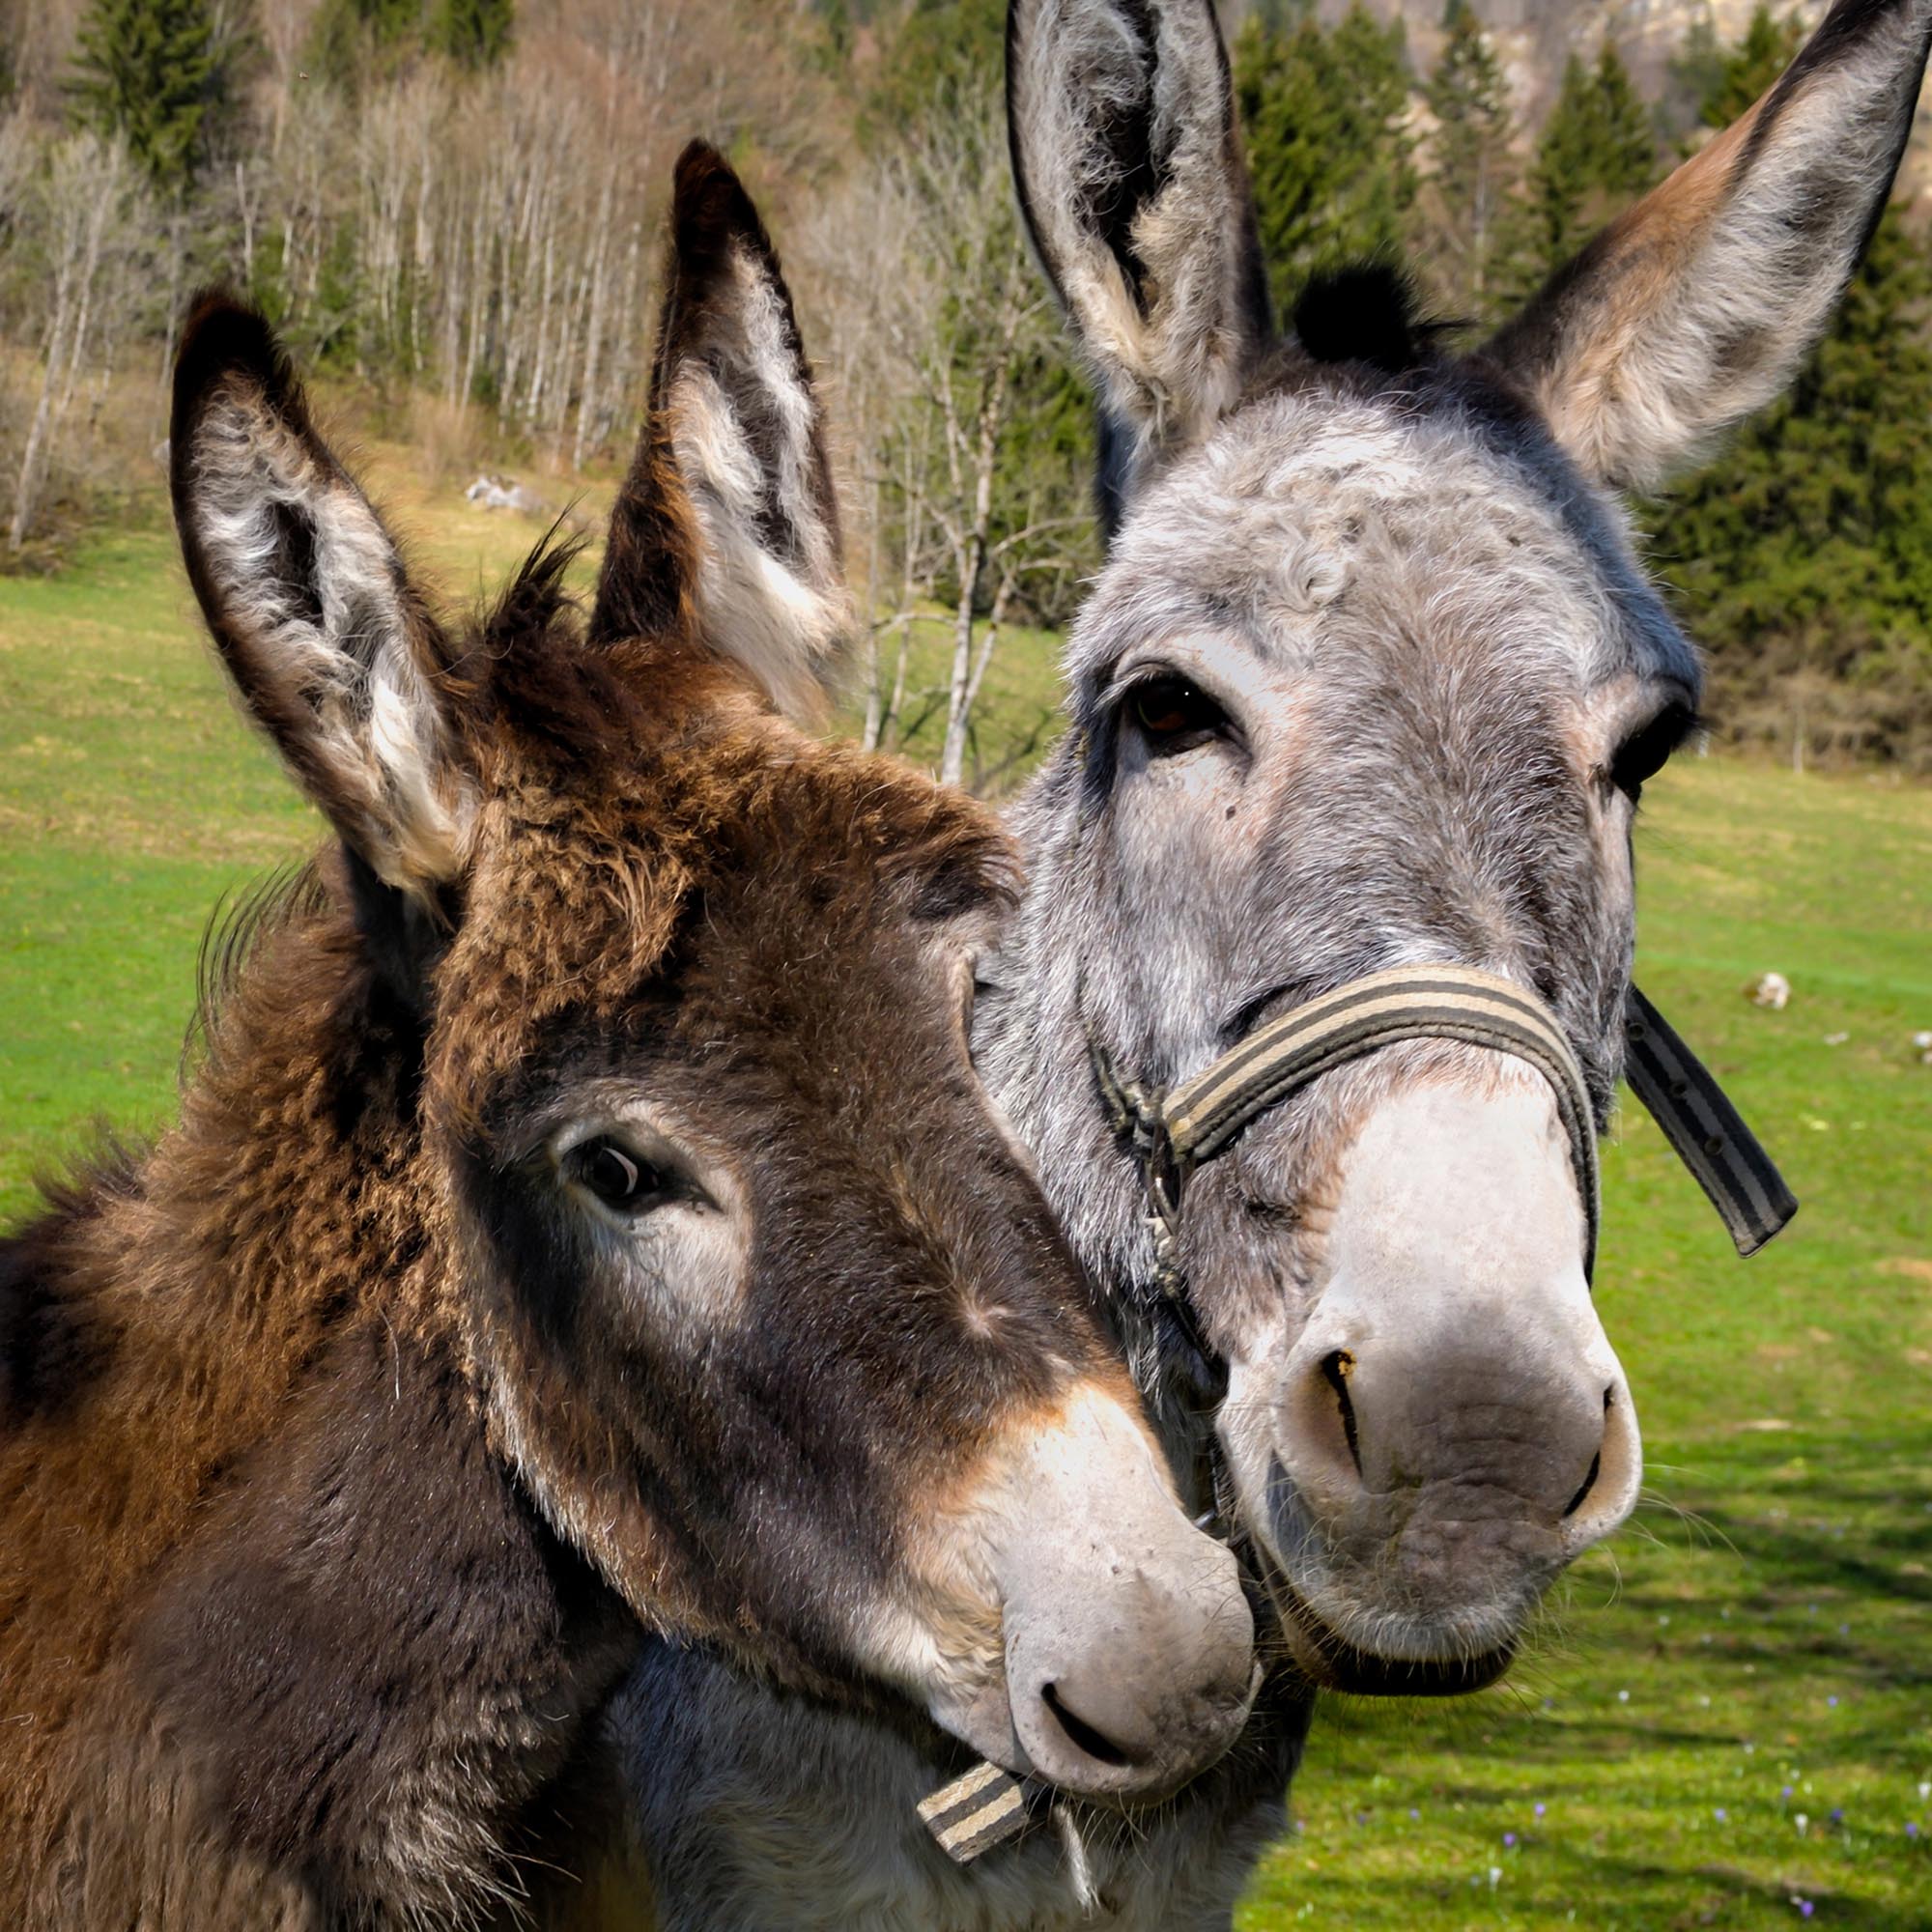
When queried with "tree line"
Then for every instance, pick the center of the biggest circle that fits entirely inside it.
(454, 205)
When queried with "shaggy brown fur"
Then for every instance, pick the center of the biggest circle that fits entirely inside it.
(342, 1447)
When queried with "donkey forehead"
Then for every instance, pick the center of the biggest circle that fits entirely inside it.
(1310, 525)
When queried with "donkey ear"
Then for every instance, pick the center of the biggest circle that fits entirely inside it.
(1698, 306)
(1120, 116)
(332, 650)
(727, 526)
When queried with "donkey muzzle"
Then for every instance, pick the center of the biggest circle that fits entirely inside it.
(1127, 1640)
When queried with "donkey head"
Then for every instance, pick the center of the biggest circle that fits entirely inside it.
(1371, 679)
(762, 1306)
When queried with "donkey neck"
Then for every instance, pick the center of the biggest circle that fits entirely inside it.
(182, 1300)
(251, 1504)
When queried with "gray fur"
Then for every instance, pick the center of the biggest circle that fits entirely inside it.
(761, 1809)
(1150, 241)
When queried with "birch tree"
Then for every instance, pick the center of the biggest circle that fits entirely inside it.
(85, 209)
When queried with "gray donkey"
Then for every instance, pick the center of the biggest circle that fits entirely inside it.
(1369, 685)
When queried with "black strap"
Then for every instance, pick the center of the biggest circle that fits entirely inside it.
(1708, 1132)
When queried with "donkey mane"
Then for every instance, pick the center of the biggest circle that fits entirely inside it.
(235, 928)
(1367, 312)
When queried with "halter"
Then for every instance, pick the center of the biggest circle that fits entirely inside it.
(1171, 1133)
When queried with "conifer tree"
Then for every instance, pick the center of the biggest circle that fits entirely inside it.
(1595, 155)
(1550, 221)
(154, 73)
(1803, 553)
(1688, 76)
(1750, 67)
(1626, 142)
(349, 39)
(1322, 112)
(1470, 96)
(934, 64)
(475, 34)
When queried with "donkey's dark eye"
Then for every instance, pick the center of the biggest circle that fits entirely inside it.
(1642, 754)
(618, 1179)
(1174, 715)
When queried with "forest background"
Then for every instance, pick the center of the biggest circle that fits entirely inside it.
(451, 210)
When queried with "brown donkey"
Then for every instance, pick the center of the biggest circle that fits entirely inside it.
(585, 1216)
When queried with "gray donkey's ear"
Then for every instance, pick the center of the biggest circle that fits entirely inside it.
(1698, 306)
(1122, 119)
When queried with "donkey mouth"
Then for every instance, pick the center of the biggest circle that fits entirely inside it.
(1332, 1663)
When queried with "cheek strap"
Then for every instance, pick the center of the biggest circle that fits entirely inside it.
(1707, 1132)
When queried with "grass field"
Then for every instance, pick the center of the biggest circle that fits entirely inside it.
(1728, 1719)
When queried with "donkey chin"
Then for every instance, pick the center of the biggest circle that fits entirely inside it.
(1450, 1427)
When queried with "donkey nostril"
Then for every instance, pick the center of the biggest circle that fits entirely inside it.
(1336, 1369)
(1577, 1501)
(1596, 1469)
(1094, 1744)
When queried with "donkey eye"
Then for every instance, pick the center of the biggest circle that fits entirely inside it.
(619, 1179)
(1174, 715)
(1642, 754)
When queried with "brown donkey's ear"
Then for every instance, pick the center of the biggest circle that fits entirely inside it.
(1697, 305)
(726, 527)
(332, 651)
(1120, 117)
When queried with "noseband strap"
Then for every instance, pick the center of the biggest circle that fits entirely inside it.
(1173, 1134)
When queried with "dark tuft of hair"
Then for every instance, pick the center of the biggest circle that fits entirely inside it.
(1368, 314)
(53, 1346)
(555, 684)
(535, 600)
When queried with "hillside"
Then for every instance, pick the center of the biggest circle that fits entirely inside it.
(1536, 36)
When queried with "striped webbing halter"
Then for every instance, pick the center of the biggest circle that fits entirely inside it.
(1172, 1132)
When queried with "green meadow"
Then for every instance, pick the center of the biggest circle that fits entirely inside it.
(1726, 1719)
